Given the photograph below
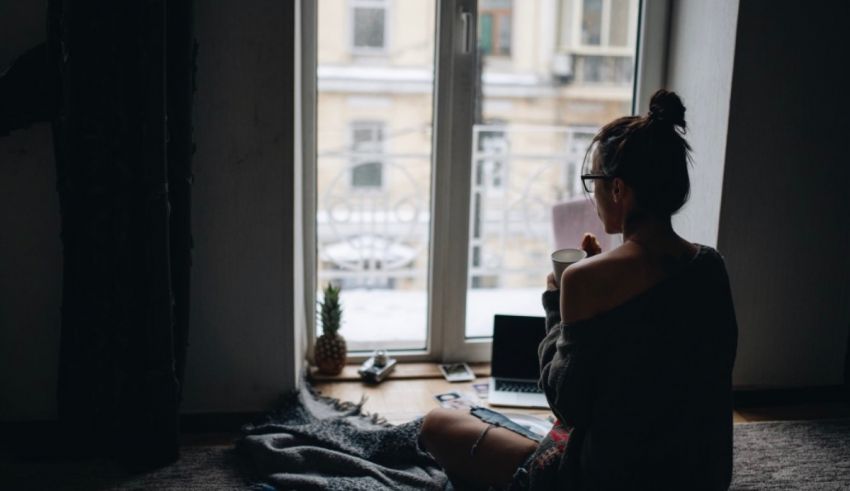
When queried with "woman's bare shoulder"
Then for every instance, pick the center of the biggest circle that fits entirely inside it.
(591, 285)
(606, 267)
(605, 281)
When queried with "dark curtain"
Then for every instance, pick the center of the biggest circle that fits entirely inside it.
(123, 142)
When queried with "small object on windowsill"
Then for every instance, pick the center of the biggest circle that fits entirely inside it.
(457, 372)
(380, 358)
(377, 367)
(403, 370)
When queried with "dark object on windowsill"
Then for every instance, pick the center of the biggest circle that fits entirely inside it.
(377, 367)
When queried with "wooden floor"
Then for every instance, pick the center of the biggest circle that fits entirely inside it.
(405, 398)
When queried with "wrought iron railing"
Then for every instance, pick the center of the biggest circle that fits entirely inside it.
(378, 236)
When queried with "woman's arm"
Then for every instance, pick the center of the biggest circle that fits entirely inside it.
(566, 365)
(565, 357)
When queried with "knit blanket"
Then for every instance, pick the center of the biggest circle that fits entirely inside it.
(318, 443)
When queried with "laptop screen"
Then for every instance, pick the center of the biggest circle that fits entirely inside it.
(515, 342)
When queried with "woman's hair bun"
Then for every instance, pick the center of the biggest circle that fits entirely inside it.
(665, 106)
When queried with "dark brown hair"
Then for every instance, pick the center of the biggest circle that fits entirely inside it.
(650, 154)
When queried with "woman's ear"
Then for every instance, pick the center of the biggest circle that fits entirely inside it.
(617, 189)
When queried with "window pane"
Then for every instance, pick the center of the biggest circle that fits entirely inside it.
(505, 34)
(605, 70)
(537, 117)
(592, 68)
(367, 175)
(369, 27)
(494, 27)
(496, 4)
(619, 33)
(374, 127)
(485, 33)
(591, 22)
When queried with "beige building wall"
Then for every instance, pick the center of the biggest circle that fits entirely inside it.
(410, 33)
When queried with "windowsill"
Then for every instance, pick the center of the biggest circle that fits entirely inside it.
(402, 371)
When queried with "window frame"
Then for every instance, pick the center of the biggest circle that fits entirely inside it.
(453, 117)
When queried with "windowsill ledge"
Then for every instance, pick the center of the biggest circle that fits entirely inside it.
(402, 371)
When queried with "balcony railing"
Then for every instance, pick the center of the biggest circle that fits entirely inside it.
(375, 237)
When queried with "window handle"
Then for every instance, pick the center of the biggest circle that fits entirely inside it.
(466, 27)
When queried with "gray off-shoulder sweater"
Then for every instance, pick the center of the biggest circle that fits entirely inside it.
(642, 392)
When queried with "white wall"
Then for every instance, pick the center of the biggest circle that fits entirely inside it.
(785, 219)
(241, 339)
(241, 354)
(700, 59)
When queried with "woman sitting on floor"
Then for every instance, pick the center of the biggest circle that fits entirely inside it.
(637, 360)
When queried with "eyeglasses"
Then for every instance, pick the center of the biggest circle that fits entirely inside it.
(588, 179)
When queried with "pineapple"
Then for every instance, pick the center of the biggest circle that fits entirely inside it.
(330, 346)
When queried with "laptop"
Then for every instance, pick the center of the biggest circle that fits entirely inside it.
(514, 366)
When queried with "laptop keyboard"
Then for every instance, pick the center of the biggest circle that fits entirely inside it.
(514, 386)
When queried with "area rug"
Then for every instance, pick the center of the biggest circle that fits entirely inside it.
(792, 455)
(199, 468)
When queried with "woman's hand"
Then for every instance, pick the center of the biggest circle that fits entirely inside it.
(551, 284)
(590, 245)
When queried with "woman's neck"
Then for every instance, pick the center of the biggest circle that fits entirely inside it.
(649, 231)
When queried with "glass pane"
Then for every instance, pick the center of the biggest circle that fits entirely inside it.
(368, 175)
(496, 4)
(494, 27)
(369, 27)
(374, 170)
(619, 33)
(505, 34)
(485, 33)
(538, 113)
(591, 22)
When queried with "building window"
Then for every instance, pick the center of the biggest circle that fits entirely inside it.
(605, 22)
(591, 22)
(369, 25)
(494, 27)
(367, 154)
(618, 20)
(615, 70)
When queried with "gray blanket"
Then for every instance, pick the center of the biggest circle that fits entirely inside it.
(318, 443)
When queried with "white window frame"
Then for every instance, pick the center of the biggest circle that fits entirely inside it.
(452, 164)
(366, 50)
